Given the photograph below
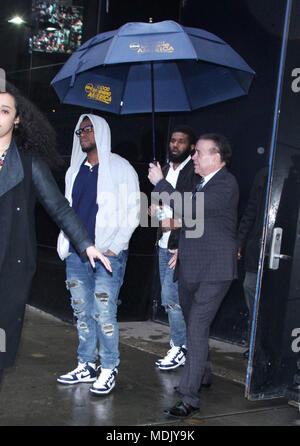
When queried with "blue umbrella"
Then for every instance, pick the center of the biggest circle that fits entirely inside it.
(152, 67)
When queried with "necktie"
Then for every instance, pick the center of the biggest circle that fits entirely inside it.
(198, 187)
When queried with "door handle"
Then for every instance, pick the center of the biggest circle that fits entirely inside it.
(282, 257)
(275, 255)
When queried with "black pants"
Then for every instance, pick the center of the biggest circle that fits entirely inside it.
(200, 303)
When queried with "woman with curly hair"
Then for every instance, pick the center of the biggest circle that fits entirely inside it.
(27, 147)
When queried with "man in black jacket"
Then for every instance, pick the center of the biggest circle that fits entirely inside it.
(180, 173)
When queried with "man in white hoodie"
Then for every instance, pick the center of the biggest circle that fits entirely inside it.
(103, 189)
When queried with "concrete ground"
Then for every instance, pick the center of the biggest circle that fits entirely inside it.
(30, 395)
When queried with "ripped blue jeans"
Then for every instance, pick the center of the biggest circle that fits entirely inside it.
(94, 299)
(170, 299)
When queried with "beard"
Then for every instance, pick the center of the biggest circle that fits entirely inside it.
(179, 158)
(88, 149)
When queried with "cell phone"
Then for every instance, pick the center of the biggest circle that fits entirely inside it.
(154, 162)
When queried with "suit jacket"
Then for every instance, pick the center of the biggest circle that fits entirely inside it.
(212, 256)
(186, 182)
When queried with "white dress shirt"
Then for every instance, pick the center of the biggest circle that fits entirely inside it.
(172, 178)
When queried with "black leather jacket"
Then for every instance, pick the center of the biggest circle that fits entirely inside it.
(57, 206)
(25, 178)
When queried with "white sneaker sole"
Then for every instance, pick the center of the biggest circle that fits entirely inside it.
(102, 392)
(172, 367)
(84, 380)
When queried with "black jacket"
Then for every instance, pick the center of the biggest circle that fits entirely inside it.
(23, 179)
(186, 182)
(251, 225)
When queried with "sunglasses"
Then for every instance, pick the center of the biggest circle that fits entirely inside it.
(86, 129)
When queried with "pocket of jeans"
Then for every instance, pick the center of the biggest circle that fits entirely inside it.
(118, 256)
(111, 256)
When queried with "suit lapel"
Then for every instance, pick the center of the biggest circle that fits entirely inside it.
(12, 172)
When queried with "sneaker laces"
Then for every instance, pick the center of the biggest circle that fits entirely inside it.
(80, 368)
(104, 376)
(171, 353)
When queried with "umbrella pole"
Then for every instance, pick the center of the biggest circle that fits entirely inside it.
(153, 115)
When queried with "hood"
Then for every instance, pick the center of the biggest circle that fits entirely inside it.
(102, 137)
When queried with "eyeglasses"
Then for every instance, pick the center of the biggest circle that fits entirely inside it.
(86, 129)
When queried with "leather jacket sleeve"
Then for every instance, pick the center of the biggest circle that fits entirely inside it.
(57, 206)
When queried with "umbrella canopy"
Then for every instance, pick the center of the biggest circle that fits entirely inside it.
(147, 67)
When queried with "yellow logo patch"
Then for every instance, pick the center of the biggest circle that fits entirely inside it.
(164, 47)
(98, 93)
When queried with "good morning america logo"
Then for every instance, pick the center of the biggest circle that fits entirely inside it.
(99, 93)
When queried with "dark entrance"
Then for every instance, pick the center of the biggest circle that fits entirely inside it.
(275, 337)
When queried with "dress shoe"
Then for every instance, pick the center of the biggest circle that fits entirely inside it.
(181, 410)
(203, 386)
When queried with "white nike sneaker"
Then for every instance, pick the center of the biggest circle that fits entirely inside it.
(174, 358)
(84, 373)
(105, 383)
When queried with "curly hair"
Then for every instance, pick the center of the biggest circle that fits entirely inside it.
(34, 134)
(186, 130)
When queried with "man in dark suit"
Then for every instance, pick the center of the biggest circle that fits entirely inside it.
(206, 263)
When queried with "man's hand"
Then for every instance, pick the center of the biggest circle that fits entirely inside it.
(93, 253)
(168, 224)
(152, 210)
(173, 260)
(155, 173)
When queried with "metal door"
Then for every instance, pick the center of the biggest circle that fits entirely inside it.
(275, 336)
